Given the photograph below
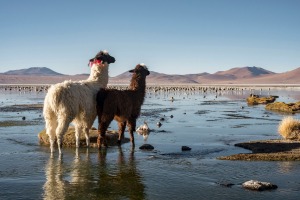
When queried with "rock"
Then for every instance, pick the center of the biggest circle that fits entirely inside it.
(146, 147)
(259, 186)
(158, 124)
(267, 150)
(255, 99)
(283, 107)
(225, 184)
(171, 116)
(186, 148)
(23, 118)
(69, 138)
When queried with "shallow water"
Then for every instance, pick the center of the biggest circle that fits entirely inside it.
(210, 123)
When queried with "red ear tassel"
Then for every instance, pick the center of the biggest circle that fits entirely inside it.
(95, 62)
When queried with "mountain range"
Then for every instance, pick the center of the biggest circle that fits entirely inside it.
(43, 71)
(238, 75)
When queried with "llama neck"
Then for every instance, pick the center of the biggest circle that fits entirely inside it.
(99, 74)
(138, 83)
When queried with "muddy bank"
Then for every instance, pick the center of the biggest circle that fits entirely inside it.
(268, 150)
(9, 123)
(284, 107)
(22, 107)
(255, 99)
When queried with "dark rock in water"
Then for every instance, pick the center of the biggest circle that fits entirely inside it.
(162, 119)
(23, 118)
(158, 124)
(171, 116)
(186, 148)
(259, 186)
(225, 184)
(146, 147)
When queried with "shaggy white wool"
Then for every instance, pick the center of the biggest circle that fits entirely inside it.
(75, 102)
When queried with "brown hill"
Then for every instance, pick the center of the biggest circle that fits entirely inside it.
(41, 71)
(244, 72)
(244, 75)
(290, 77)
(155, 77)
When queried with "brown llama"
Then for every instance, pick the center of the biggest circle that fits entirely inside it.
(122, 105)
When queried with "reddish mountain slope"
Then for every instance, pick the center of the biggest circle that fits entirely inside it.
(246, 75)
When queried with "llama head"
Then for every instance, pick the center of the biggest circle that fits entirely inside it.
(102, 59)
(140, 69)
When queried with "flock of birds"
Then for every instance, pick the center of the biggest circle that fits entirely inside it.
(150, 88)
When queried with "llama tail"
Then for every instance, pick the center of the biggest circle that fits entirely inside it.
(101, 96)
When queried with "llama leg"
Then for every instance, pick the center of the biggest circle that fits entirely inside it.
(131, 129)
(51, 125)
(122, 126)
(102, 127)
(77, 135)
(87, 137)
(60, 131)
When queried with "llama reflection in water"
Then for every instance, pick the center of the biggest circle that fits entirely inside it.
(54, 188)
(94, 176)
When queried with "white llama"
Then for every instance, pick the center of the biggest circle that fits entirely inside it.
(75, 102)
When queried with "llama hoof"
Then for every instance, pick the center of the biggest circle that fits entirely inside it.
(119, 142)
(101, 144)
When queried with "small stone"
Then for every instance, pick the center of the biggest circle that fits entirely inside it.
(225, 184)
(146, 147)
(23, 118)
(259, 186)
(162, 119)
(171, 116)
(159, 124)
(186, 148)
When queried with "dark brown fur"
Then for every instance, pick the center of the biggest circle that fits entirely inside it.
(122, 105)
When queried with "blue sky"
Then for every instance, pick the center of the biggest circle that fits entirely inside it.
(170, 36)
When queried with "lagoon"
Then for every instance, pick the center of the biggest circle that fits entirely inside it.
(209, 121)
